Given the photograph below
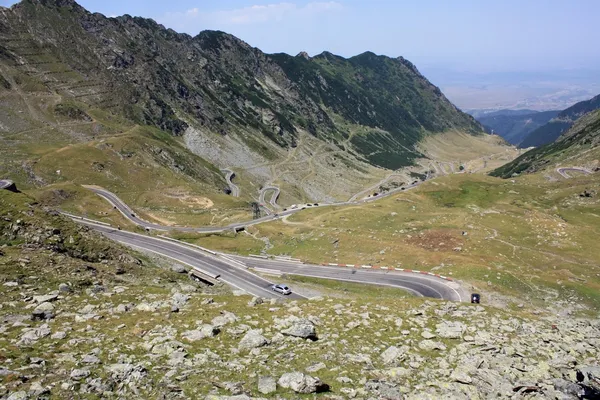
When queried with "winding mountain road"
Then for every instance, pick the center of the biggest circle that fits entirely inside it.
(563, 171)
(233, 270)
(118, 204)
(274, 196)
(235, 190)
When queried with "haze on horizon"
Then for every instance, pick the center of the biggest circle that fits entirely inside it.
(512, 53)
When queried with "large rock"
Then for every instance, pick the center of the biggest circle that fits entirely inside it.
(301, 383)
(391, 355)
(33, 335)
(267, 384)
(225, 318)
(302, 328)
(43, 311)
(450, 329)
(179, 299)
(79, 374)
(253, 339)
(45, 298)
(201, 333)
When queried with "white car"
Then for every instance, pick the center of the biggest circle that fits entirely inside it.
(281, 288)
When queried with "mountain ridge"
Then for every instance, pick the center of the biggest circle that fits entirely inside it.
(266, 116)
(551, 131)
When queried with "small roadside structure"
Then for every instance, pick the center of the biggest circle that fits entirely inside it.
(9, 185)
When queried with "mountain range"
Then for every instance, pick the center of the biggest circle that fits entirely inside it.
(515, 125)
(556, 126)
(72, 79)
(579, 146)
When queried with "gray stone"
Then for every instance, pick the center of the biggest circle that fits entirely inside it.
(255, 301)
(58, 335)
(316, 367)
(253, 339)
(302, 328)
(64, 288)
(20, 395)
(179, 269)
(120, 371)
(301, 383)
(429, 345)
(225, 318)
(36, 390)
(45, 298)
(391, 355)
(450, 329)
(33, 335)
(427, 335)
(267, 384)
(199, 334)
(79, 374)
(461, 376)
(180, 299)
(43, 311)
(90, 359)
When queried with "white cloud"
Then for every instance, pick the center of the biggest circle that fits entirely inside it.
(257, 14)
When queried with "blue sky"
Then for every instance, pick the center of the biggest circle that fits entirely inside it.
(468, 35)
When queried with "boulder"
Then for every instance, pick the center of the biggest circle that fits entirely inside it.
(33, 335)
(43, 311)
(302, 328)
(179, 269)
(255, 301)
(450, 329)
(201, 333)
(79, 374)
(253, 339)
(391, 355)
(64, 288)
(179, 299)
(267, 384)
(301, 383)
(45, 298)
(225, 318)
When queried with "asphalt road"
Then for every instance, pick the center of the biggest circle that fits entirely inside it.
(229, 271)
(563, 171)
(233, 270)
(235, 190)
(417, 284)
(132, 216)
(274, 196)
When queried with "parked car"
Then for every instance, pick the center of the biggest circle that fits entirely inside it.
(281, 288)
(475, 298)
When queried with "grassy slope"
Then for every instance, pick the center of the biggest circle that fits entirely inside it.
(578, 147)
(529, 238)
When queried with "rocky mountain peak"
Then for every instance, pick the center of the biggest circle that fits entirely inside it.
(304, 55)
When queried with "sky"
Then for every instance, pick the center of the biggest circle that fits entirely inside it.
(466, 35)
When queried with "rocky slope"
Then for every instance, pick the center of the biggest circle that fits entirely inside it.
(82, 318)
(549, 132)
(515, 127)
(579, 146)
(231, 104)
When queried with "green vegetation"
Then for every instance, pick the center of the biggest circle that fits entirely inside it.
(529, 239)
(580, 144)
(551, 131)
